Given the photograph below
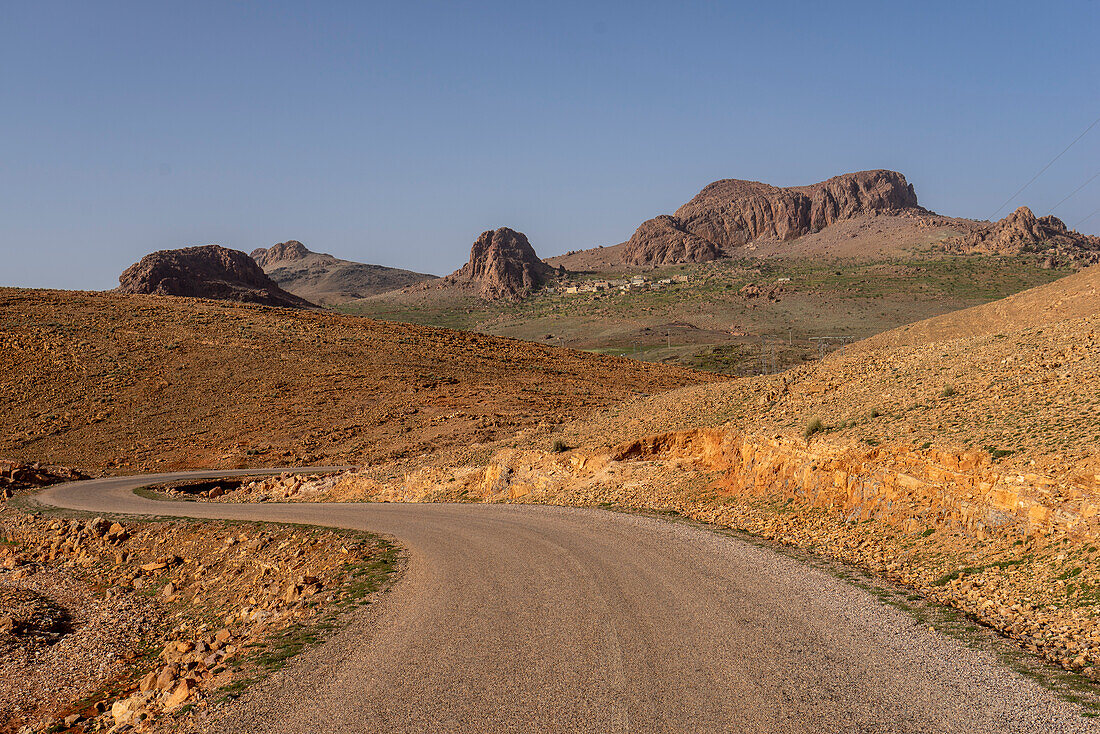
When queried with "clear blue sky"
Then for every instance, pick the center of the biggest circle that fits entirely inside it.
(395, 132)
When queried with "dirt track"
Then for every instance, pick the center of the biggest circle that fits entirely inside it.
(562, 620)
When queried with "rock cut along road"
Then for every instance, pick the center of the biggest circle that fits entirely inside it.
(547, 619)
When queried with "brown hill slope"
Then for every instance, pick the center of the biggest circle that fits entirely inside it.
(108, 381)
(1072, 297)
(731, 213)
(206, 271)
(1018, 377)
(328, 280)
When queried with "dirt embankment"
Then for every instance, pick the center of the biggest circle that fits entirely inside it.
(106, 624)
(1017, 551)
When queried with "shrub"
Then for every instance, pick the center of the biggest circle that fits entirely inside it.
(948, 391)
(814, 426)
(559, 446)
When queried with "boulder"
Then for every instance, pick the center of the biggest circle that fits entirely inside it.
(207, 271)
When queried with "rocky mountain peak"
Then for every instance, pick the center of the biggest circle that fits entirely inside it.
(731, 213)
(1021, 231)
(288, 251)
(503, 265)
(206, 271)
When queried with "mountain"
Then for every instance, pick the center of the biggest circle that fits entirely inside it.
(502, 265)
(206, 271)
(729, 214)
(328, 280)
(1022, 232)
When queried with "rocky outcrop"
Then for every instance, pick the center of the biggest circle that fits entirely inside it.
(288, 251)
(1023, 232)
(207, 271)
(327, 280)
(731, 213)
(503, 265)
(17, 475)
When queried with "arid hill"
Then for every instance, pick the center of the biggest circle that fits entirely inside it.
(502, 265)
(328, 280)
(1075, 296)
(116, 382)
(731, 213)
(1023, 232)
(1019, 375)
(206, 271)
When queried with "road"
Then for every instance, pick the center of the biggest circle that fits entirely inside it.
(545, 619)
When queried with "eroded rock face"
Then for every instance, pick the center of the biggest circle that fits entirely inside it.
(503, 265)
(288, 251)
(206, 271)
(1021, 231)
(730, 213)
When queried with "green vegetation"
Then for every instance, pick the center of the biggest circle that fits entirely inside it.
(815, 426)
(708, 324)
(997, 453)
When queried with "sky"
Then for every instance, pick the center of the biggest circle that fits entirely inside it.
(394, 133)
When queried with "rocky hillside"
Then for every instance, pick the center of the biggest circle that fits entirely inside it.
(502, 265)
(729, 214)
(328, 280)
(103, 381)
(1023, 232)
(207, 271)
(1075, 296)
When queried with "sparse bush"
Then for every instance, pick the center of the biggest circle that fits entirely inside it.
(948, 391)
(874, 413)
(559, 446)
(814, 426)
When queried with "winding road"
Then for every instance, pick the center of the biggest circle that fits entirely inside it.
(546, 619)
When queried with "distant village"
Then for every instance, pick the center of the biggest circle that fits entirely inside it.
(637, 282)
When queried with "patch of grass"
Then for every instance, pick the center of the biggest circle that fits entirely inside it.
(814, 427)
(234, 689)
(996, 453)
(152, 494)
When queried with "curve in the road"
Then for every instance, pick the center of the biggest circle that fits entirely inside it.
(548, 619)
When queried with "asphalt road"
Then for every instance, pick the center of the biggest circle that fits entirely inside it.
(544, 619)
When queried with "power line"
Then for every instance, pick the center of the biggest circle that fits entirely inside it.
(1094, 213)
(1063, 201)
(1044, 168)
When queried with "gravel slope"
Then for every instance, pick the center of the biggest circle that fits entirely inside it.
(553, 619)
